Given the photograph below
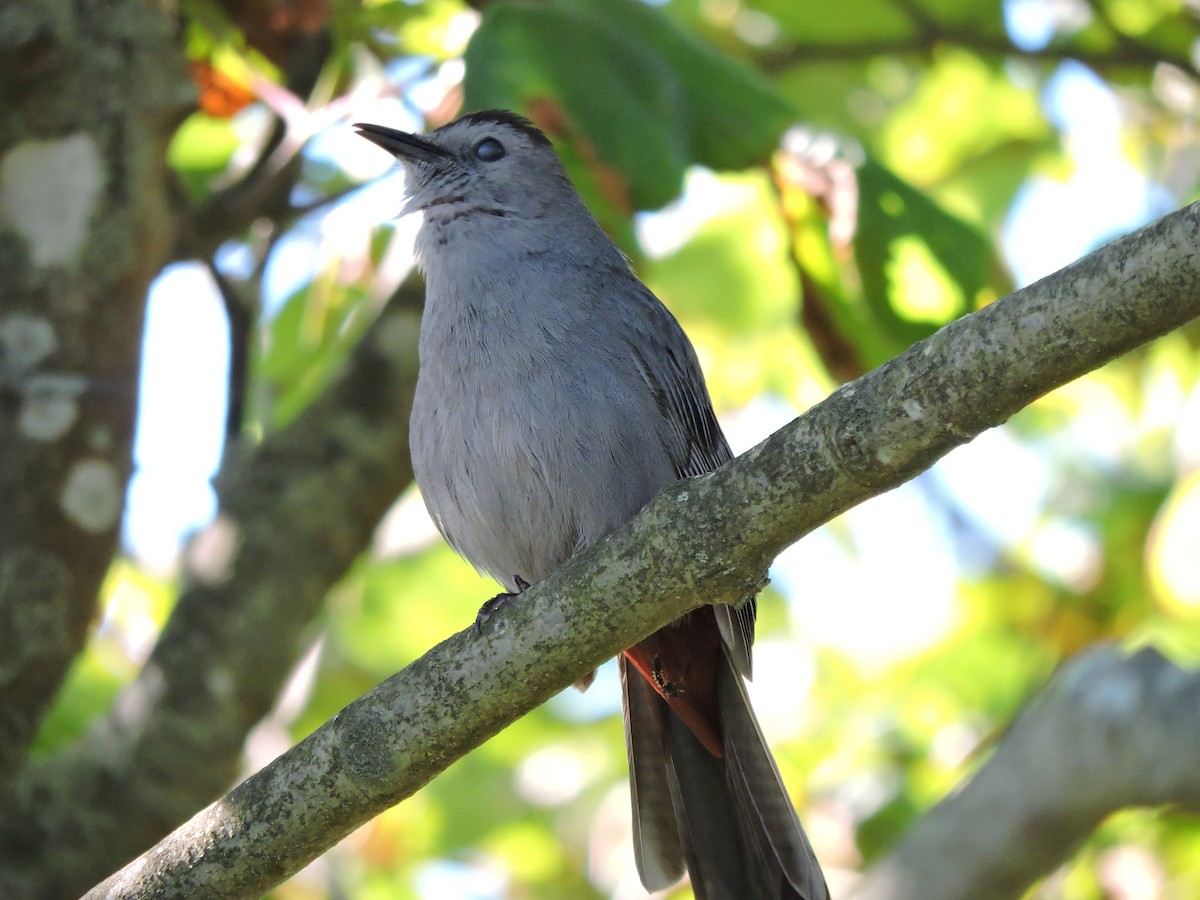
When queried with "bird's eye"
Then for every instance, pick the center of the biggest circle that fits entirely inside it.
(489, 150)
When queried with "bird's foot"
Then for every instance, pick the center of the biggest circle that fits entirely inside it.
(491, 607)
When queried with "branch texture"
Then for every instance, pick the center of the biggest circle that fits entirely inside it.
(294, 515)
(703, 540)
(90, 96)
(1107, 733)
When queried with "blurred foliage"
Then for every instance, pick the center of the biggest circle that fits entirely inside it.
(849, 169)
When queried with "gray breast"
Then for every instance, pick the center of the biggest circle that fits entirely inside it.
(529, 439)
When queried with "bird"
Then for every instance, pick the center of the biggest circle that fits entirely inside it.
(555, 396)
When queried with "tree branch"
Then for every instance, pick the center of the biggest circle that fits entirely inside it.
(90, 94)
(928, 32)
(707, 539)
(295, 513)
(1108, 732)
(1126, 54)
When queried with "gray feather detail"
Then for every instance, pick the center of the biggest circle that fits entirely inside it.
(729, 819)
(656, 847)
(769, 822)
(707, 815)
(696, 444)
(736, 625)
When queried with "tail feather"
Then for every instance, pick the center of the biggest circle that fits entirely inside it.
(728, 818)
(656, 848)
(704, 810)
(769, 821)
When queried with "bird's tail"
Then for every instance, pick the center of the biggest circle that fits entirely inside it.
(727, 817)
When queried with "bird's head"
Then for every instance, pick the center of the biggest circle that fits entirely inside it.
(494, 163)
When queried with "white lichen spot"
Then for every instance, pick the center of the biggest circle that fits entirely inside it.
(915, 411)
(210, 553)
(25, 340)
(91, 498)
(220, 682)
(134, 702)
(48, 192)
(101, 439)
(47, 418)
(50, 406)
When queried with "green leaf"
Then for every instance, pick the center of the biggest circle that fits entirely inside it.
(895, 219)
(200, 150)
(836, 24)
(307, 341)
(651, 99)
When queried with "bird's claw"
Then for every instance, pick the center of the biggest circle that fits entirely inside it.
(491, 607)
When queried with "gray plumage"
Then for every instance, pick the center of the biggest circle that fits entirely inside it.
(557, 395)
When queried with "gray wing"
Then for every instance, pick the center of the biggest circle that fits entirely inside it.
(692, 438)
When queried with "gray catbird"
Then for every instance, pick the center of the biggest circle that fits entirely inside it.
(556, 396)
